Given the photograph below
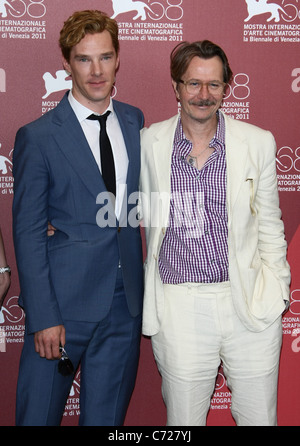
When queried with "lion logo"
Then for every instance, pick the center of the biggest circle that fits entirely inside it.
(257, 7)
(122, 6)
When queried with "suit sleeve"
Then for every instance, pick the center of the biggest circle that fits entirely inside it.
(30, 218)
(271, 239)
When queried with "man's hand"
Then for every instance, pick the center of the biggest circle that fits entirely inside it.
(50, 230)
(47, 341)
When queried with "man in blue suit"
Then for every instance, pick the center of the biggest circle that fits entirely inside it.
(81, 288)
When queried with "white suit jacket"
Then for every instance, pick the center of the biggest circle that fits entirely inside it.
(258, 270)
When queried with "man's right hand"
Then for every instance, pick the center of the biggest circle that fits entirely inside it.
(47, 342)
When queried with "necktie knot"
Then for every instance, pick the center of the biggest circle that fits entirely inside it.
(101, 118)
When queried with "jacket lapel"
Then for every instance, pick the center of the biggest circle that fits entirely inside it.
(72, 142)
(131, 141)
(162, 154)
(236, 156)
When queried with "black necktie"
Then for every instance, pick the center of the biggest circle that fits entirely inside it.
(107, 159)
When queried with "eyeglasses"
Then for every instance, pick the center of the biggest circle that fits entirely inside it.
(194, 86)
(65, 366)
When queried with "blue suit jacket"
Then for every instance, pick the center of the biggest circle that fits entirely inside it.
(72, 274)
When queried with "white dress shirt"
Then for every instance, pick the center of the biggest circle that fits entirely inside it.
(91, 130)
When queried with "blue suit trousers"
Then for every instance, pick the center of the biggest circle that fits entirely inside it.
(108, 354)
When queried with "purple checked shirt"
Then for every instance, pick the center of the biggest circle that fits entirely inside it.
(194, 248)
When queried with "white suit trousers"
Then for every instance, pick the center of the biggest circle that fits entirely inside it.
(200, 329)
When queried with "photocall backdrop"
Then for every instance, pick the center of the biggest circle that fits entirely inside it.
(261, 39)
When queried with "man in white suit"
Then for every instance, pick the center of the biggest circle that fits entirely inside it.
(216, 275)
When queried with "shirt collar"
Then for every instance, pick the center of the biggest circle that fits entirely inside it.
(218, 141)
(83, 112)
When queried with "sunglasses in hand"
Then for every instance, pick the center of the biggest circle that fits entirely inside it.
(65, 366)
